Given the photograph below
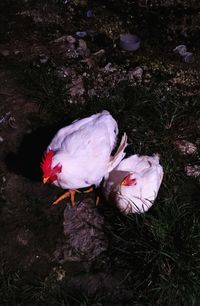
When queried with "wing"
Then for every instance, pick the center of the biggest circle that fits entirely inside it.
(136, 163)
(119, 155)
(90, 122)
(151, 181)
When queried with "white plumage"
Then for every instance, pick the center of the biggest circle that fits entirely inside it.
(83, 149)
(144, 175)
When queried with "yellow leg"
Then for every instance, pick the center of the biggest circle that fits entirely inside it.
(89, 190)
(97, 200)
(68, 194)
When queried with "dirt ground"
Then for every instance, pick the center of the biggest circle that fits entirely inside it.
(48, 77)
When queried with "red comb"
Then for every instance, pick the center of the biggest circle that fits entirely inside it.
(46, 162)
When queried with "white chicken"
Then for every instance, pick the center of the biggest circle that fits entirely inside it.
(79, 155)
(133, 185)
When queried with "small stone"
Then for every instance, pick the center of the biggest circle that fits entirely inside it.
(89, 13)
(110, 68)
(193, 171)
(101, 52)
(82, 44)
(5, 52)
(17, 52)
(181, 49)
(89, 61)
(1, 139)
(59, 273)
(77, 88)
(12, 122)
(188, 58)
(60, 39)
(24, 237)
(136, 73)
(186, 147)
(70, 39)
(44, 59)
(82, 50)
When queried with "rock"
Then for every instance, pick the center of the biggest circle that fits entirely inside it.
(5, 118)
(89, 61)
(82, 44)
(100, 52)
(188, 57)
(70, 39)
(59, 273)
(186, 147)
(43, 59)
(82, 50)
(12, 122)
(136, 73)
(180, 49)
(89, 13)
(84, 231)
(110, 68)
(5, 52)
(1, 139)
(24, 236)
(193, 171)
(17, 52)
(77, 88)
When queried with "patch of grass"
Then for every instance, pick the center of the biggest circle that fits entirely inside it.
(161, 248)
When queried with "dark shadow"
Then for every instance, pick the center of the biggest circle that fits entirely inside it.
(26, 161)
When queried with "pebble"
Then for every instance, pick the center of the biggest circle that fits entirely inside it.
(70, 39)
(186, 147)
(17, 52)
(136, 73)
(44, 59)
(181, 49)
(82, 44)
(188, 57)
(193, 170)
(5, 52)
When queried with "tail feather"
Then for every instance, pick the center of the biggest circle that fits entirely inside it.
(119, 155)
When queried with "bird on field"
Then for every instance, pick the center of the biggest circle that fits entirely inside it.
(133, 185)
(79, 155)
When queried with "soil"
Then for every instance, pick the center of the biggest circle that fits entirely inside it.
(34, 38)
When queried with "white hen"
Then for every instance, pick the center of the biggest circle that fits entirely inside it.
(80, 154)
(133, 185)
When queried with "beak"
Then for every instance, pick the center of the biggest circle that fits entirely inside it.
(123, 183)
(45, 180)
(128, 181)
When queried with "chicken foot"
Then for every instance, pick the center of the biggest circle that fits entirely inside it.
(71, 194)
(68, 194)
(90, 190)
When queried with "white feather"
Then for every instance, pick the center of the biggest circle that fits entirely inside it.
(135, 198)
(84, 151)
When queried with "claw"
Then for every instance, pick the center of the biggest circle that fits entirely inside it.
(89, 190)
(68, 194)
